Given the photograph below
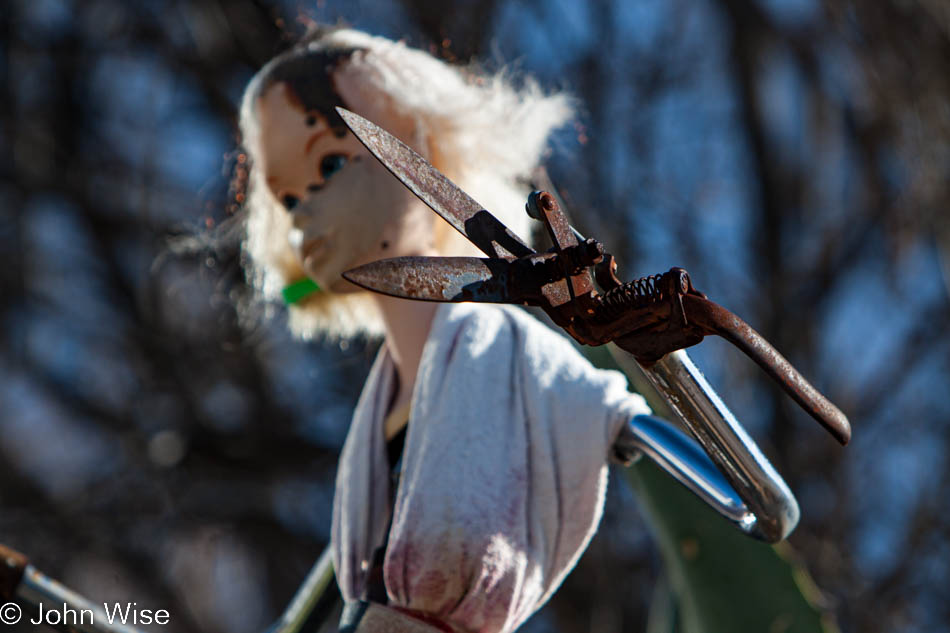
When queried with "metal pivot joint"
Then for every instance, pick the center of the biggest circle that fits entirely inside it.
(653, 318)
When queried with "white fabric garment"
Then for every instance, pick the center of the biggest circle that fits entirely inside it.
(504, 470)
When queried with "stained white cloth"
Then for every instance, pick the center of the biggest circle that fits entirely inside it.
(504, 470)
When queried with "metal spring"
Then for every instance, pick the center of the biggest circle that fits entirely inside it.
(633, 294)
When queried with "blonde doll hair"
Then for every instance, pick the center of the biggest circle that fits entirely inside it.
(480, 130)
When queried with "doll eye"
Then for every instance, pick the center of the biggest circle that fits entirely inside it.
(331, 164)
(290, 201)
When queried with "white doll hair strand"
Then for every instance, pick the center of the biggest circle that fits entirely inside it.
(480, 130)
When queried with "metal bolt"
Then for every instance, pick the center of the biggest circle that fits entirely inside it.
(532, 206)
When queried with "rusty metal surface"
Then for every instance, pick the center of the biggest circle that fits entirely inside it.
(712, 316)
(649, 317)
(455, 279)
(653, 318)
(579, 285)
(454, 205)
(438, 279)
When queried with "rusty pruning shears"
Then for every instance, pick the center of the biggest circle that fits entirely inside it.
(653, 318)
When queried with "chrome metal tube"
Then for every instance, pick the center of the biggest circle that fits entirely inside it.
(680, 456)
(737, 456)
(308, 594)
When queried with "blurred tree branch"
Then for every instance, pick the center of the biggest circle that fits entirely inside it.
(841, 133)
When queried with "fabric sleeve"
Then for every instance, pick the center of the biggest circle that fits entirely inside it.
(504, 470)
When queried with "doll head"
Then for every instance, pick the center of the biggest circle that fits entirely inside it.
(318, 203)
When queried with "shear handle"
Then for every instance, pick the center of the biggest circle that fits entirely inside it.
(737, 456)
(680, 456)
(712, 316)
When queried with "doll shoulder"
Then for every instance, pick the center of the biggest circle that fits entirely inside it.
(500, 339)
(485, 330)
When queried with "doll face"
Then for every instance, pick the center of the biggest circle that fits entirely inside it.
(347, 209)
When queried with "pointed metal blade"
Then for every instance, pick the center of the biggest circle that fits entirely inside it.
(452, 279)
(444, 197)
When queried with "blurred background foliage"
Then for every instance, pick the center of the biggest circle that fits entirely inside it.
(162, 440)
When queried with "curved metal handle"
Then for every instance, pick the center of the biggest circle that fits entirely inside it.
(726, 468)
(730, 327)
(680, 456)
(737, 456)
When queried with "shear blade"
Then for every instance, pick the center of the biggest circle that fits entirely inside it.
(451, 279)
(458, 208)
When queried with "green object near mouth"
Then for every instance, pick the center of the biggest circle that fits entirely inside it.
(299, 290)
